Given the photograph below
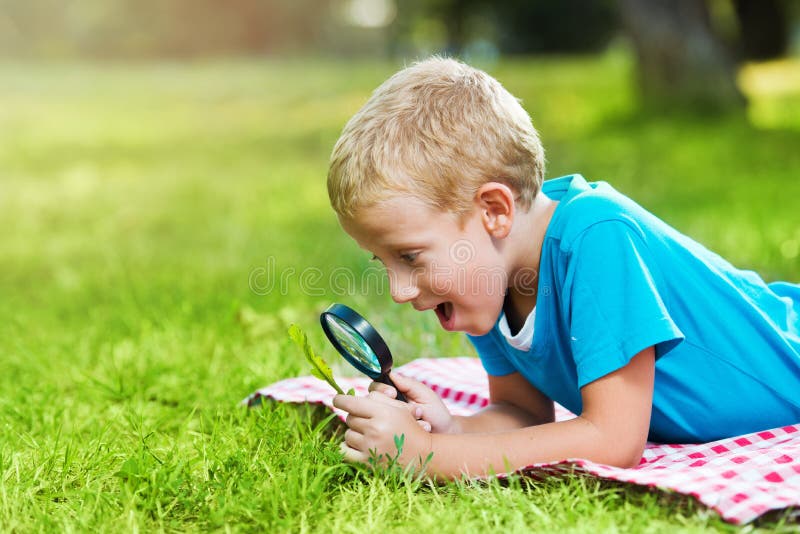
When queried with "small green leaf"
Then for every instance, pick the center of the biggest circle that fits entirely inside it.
(398, 443)
(319, 368)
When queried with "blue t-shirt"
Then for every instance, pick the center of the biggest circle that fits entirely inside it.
(615, 280)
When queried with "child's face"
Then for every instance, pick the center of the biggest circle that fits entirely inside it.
(435, 260)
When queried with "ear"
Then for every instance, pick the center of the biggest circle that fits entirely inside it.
(496, 204)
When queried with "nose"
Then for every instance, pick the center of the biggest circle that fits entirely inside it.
(403, 286)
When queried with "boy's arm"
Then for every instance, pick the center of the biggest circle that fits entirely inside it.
(611, 430)
(514, 403)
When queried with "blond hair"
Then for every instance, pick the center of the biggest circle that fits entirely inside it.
(437, 130)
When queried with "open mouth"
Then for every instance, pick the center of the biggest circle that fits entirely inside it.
(445, 314)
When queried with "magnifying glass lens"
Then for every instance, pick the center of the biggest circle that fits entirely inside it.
(359, 343)
(356, 348)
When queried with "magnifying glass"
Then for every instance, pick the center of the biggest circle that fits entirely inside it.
(359, 343)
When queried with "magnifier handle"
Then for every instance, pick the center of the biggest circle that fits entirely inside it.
(384, 379)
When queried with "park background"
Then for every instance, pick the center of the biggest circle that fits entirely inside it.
(163, 219)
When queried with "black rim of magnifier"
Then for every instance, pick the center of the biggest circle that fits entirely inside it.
(349, 316)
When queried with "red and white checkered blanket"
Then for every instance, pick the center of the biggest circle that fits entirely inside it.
(741, 477)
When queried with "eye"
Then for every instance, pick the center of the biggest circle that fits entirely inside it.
(409, 257)
(375, 258)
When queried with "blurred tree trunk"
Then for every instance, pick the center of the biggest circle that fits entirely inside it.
(454, 15)
(455, 21)
(680, 61)
(764, 28)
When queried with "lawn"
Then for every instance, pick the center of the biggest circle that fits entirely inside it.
(162, 224)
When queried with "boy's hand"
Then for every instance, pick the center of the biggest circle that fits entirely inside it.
(373, 423)
(433, 414)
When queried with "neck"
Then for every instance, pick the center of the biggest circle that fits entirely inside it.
(524, 252)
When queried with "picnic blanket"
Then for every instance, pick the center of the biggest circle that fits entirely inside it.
(741, 477)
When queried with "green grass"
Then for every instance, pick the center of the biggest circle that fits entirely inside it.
(137, 201)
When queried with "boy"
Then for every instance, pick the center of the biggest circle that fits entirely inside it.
(569, 291)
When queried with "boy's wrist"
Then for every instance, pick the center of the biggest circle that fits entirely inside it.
(454, 427)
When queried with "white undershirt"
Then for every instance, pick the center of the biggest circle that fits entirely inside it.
(524, 338)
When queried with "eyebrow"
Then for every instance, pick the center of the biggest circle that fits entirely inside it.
(404, 244)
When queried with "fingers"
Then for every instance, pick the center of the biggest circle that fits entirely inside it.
(353, 455)
(410, 387)
(364, 406)
(383, 399)
(386, 389)
(358, 424)
(424, 425)
(403, 383)
(373, 405)
(358, 406)
(354, 440)
(354, 447)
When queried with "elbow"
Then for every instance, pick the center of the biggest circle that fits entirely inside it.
(625, 456)
(618, 449)
(629, 461)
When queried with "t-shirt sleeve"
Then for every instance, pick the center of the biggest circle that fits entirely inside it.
(616, 308)
(494, 361)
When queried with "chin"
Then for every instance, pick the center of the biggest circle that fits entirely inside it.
(479, 331)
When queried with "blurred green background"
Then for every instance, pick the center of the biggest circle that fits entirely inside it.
(163, 213)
